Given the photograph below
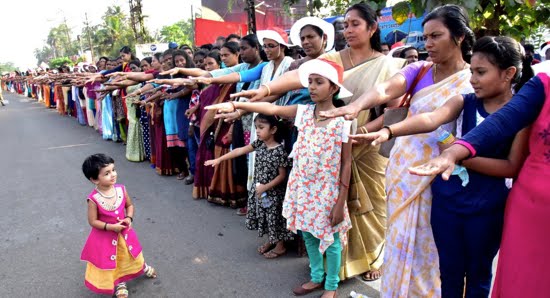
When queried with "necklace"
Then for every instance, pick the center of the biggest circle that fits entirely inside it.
(351, 60)
(105, 196)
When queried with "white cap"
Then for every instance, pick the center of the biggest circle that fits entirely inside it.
(325, 26)
(328, 69)
(271, 34)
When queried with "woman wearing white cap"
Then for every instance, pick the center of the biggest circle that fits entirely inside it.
(317, 190)
(364, 66)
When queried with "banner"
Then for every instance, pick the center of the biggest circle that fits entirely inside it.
(148, 49)
(206, 31)
(410, 32)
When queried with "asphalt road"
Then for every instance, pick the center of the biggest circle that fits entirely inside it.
(199, 250)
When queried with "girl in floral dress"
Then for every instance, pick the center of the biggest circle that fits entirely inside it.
(315, 200)
(265, 198)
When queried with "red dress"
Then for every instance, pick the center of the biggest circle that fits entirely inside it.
(524, 257)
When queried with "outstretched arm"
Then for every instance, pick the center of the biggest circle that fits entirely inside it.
(194, 72)
(421, 123)
(256, 107)
(375, 96)
(505, 168)
(235, 153)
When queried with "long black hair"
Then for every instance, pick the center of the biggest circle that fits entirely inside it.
(127, 50)
(188, 60)
(455, 18)
(368, 14)
(252, 41)
(504, 52)
(273, 121)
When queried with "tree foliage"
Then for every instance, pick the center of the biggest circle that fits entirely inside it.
(517, 18)
(112, 33)
(180, 32)
(58, 62)
(7, 67)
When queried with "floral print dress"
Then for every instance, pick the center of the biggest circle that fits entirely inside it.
(265, 214)
(314, 181)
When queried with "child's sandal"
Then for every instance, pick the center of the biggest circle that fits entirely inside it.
(150, 272)
(121, 291)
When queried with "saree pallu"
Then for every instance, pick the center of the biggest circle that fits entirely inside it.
(90, 107)
(46, 95)
(59, 101)
(170, 112)
(144, 122)
(134, 141)
(212, 94)
(224, 189)
(69, 105)
(80, 106)
(163, 162)
(367, 194)
(107, 118)
(98, 120)
(411, 264)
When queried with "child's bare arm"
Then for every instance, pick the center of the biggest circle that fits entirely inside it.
(235, 153)
(98, 224)
(278, 180)
(505, 168)
(337, 213)
(421, 123)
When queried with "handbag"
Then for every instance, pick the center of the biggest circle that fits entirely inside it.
(399, 113)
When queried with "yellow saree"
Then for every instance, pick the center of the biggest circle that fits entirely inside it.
(411, 264)
(367, 197)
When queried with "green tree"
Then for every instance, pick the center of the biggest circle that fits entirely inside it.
(180, 32)
(43, 55)
(517, 18)
(57, 62)
(7, 67)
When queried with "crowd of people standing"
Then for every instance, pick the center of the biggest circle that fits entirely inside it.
(288, 132)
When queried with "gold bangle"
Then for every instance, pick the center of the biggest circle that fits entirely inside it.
(268, 89)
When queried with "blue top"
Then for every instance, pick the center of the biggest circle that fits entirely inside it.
(483, 193)
(106, 72)
(251, 75)
(522, 110)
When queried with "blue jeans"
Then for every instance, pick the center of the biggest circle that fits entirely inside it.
(193, 147)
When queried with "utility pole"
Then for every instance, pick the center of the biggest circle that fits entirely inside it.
(251, 11)
(136, 20)
(89, 33)
(192, 26)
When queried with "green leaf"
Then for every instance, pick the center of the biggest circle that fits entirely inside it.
(400, 12)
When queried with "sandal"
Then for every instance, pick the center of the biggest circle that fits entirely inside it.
(264, 248)
(371, 275)
(121, 291)
(301, 291)
(181, 176)
(150, 272)
(272, 254)
(335, 295)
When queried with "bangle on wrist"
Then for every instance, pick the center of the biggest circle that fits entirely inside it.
(131, 218)
(239, 113)
(268, 89)
(105, 227)
(233, 105)
(390, 136)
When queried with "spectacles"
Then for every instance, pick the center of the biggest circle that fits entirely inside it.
(270, 46)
